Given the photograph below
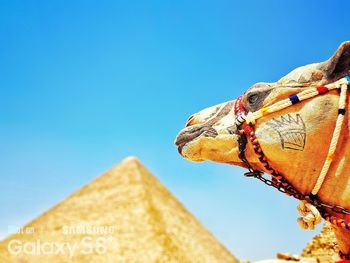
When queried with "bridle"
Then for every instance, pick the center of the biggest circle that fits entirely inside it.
(245, 122)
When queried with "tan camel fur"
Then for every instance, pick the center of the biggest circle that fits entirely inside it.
(295, 140)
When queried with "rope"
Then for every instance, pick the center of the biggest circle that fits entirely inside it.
(251, 117)
(310, 216)
(280, 105)
(334, 141)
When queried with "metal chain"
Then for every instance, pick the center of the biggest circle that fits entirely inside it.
(281, 184)
(291, 191)
(309, 198)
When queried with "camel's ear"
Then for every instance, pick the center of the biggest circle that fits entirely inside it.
(338, 65)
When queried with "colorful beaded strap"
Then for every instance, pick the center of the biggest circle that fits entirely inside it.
(248, 130)
(246, 121)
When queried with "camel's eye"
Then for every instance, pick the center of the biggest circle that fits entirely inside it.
(252, 98)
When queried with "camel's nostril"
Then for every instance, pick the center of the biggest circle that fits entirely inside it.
(190, 121)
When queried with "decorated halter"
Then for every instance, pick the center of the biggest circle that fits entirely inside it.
(310, 207)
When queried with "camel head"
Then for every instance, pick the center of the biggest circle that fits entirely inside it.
(295, 139)
(289, 134)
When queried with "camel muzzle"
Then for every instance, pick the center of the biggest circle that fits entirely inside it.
(190, 133)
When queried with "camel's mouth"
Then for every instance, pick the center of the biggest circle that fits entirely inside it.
(189, 134)
(210, 135)
(203, 143)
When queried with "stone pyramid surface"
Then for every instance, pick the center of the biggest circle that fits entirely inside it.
(322, 247)
(124, 215)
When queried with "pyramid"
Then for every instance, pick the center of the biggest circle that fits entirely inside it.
(124, 215)
(322, 247)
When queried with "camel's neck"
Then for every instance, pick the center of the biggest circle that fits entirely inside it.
(302, 165)
(335, 189)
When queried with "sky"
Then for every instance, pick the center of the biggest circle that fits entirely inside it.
(84, 84)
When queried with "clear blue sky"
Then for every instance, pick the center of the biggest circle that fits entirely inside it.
(86, 83)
